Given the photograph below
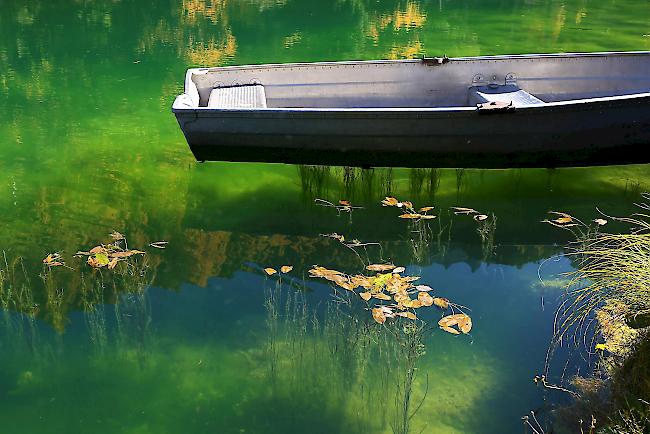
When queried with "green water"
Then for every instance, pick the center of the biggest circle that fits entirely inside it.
(194, 338)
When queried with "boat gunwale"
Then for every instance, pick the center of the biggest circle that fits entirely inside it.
(603, 54)
(573, 103)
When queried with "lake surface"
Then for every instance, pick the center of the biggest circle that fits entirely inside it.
(195, 337)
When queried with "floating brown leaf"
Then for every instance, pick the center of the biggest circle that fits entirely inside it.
(426, 208)
(52, 259)
(424, 288)
(116, 236)
(411, 216)
(363, 281)
(113, 263)
(336, 236)
(399, 270)
(425, 299)
(463, 322)
(125, 254)
(378, 315)
(270, 271)
(410, 278)
(562, 220)
(286, 268)
(414, 304)
(407, 204)
(381, 296)
(442, 303)
(449, 320)
(389, 201)
(409, 315)
(380, 267)
(365, 295)
(463, 210)
(97, 249)
(159, 244)
(450, 330)
(345, 203)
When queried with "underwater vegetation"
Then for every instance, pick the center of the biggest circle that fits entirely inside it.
(606, 313)
(346, 349)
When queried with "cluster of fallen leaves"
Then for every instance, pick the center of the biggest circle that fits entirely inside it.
(395, 295)
(408, 209)
(104, 255)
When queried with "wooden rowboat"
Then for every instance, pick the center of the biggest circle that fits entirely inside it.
(541, 110)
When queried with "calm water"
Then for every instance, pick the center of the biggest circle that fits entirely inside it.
(194, 338)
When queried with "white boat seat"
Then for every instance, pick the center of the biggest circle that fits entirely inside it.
(501, 93)
(236, 97)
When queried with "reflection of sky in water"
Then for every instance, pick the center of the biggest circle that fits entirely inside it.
(201, 350)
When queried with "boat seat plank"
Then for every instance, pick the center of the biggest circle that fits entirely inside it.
(237, 97)
(502, 93)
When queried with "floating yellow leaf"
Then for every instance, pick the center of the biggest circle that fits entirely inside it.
(411, 216)
(442, 303)
(286, 268)
(270, 271)
(380, 267)
(426, 208)
(425, 299)
(102, 259)
(365, 295)
(562, 220)
(378, 315)
(601, 347)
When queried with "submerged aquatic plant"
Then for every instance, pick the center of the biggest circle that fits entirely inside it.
(606, 308)
(610, 268)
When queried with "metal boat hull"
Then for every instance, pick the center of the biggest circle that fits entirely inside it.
(587, 131)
